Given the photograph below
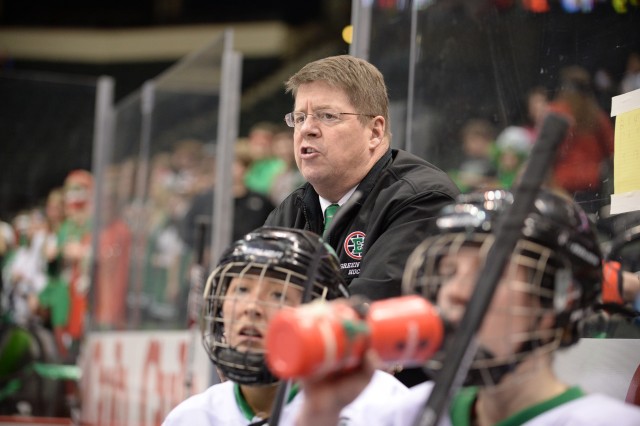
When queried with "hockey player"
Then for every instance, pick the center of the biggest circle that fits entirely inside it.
(268, 270)
(549, 285)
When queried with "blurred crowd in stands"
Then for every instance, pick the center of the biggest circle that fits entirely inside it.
(146, 238)
(583, 165)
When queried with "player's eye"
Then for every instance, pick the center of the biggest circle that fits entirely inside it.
(277, 295)
(447, 269)
(241, 289)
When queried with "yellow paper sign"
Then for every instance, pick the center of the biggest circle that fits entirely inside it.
(626, 159)
(627, 152)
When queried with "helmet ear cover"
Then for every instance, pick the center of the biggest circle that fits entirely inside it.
(280, 254)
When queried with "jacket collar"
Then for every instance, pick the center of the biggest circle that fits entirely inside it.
(311, 204)
(372, 177)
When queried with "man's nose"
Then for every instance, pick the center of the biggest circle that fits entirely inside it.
(309, 126)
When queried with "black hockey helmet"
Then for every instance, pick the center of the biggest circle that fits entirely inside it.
(293, 259)
(558, 249)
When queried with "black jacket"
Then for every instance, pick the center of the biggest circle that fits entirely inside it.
(400, 195)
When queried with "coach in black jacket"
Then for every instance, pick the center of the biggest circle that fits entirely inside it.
(342, 144)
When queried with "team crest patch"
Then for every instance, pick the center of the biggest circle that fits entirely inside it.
(354, 244)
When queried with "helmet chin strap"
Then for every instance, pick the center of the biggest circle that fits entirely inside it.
(254, 373)
(491, 375)
(494, 375)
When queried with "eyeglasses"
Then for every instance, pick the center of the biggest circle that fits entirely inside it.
(327, 117)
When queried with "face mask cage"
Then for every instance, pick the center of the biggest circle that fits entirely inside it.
(533, 309)
(266, 288)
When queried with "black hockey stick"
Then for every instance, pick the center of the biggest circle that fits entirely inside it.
(462, 348)
(285, 385)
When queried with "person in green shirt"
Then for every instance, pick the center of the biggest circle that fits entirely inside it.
(266, 166)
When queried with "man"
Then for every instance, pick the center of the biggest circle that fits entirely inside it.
(342, 146)
(548, 288)
(268, 270)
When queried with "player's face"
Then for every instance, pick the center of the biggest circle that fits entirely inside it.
(249, 304)
(330, 155)
(510, 316)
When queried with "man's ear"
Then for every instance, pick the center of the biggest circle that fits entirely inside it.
(377, 132)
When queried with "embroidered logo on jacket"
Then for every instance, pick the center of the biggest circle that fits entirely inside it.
(354, 244)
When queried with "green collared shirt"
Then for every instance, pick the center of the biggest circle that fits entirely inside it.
(244, 406)
(462, 407)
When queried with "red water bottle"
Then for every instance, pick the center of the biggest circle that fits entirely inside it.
(324, 337)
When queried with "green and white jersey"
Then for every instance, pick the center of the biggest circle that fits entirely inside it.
(571, 408)
(223, 405)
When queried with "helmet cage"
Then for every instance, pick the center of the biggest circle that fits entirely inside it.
(548, 283)
(269, 256)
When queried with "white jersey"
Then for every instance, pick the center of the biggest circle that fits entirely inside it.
(587, 410)
(217, 406)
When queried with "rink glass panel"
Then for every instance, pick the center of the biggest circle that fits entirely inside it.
(447, 63)
(143, 263)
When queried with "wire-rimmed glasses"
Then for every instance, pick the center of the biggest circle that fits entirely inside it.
(327, 117)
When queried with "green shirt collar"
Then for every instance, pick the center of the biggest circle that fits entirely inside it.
(244, 406)
(462, 407)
